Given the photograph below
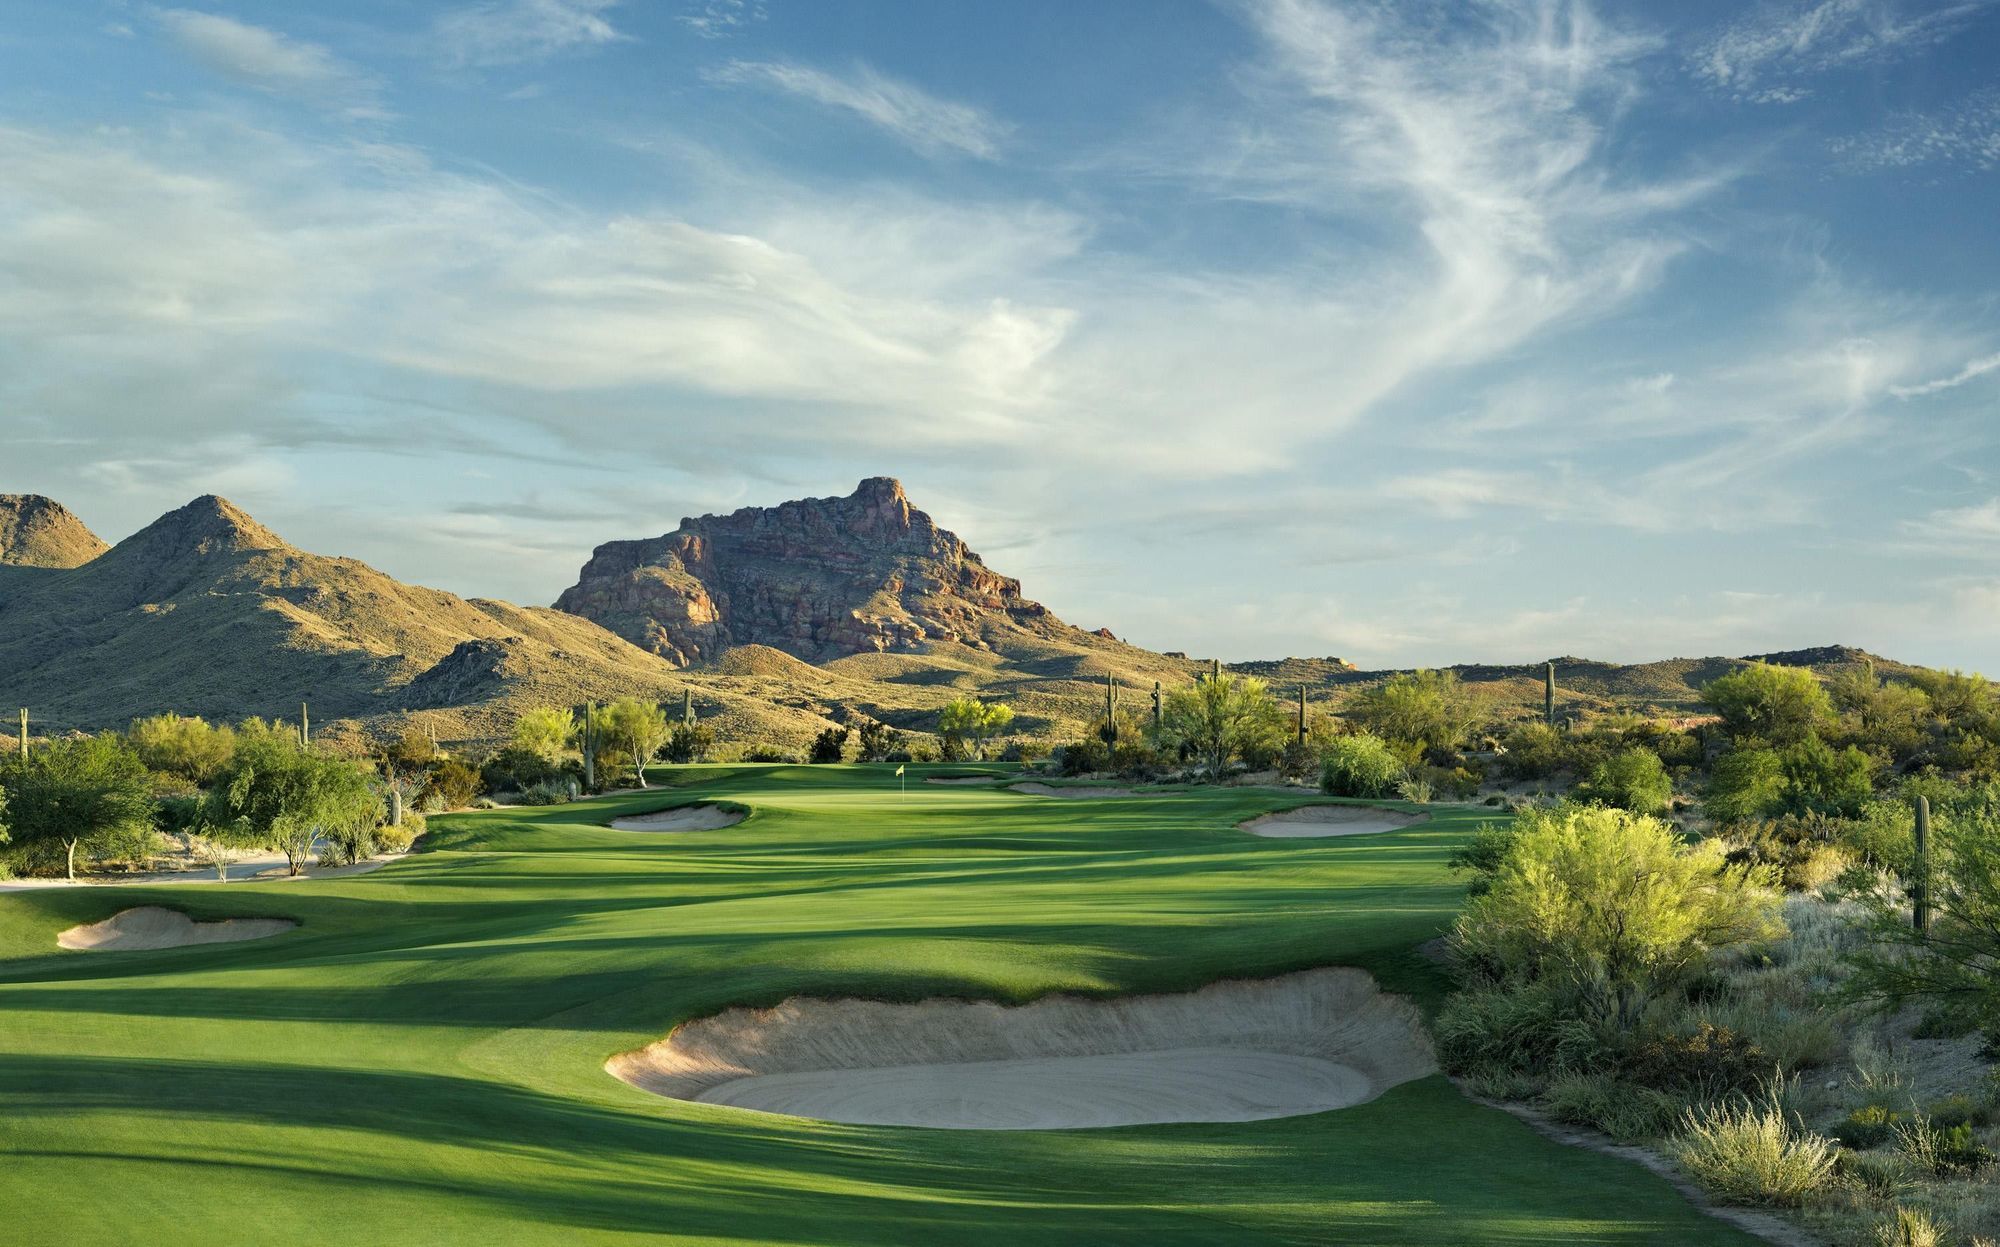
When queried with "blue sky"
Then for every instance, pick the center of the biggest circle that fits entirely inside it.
(1478, 331)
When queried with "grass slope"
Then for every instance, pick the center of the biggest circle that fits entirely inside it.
(420, 1061)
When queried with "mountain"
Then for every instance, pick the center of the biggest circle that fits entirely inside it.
(819, 578)
(207, 612)
(40, 532)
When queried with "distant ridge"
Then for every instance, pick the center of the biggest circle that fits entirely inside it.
(40, 532)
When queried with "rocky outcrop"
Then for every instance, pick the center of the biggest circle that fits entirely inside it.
(41, 532)
(818, 578)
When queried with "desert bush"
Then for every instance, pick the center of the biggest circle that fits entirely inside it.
(1083, 757)
(1780, 705)
(1427, 708)
(1523, 1029)
(1625, 1111)
(1753, 1153)
(966, 724)
(1221, 718)
(1298, 760)
(88, 797)
(390, 839)
(829, 746)
(693, 742)
(1608, 908)
(876, 740)
(1706, 1063)
(1416, 789)
(544, 732)
(1870, 1125)
(515, 769)
(558, 791)
(1941, 1151)
(1909, 1227)
(768, 753)
(186, 748)
(1360, 765)
(1631, 779)
(1533, 751)
(448, 785)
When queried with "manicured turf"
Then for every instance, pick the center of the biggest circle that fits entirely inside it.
(421, 1062)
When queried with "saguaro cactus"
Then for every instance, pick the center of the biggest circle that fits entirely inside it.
(590, 746)
(1549, 695)
(1156, 711)
(1920, 882)
(1302, 714)
(1215, 669)
(1110, 711)
(305, 728)
(687, 705)
(24, 733)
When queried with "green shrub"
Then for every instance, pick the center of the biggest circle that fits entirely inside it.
(399, 839)
(515, 769)
(1941, 1150)
(1521, 1029)
(555, 792)
(829, 746)
(1609, 908)
(448, 785)
(1532, 751)
(1625, 1111)
(1871, 1125)
(1631, 779)
(1360, 765)
(768, 753)
(1084, 757)
(1708, 1063)
(1753, 1154)
(1764, 702)
(1909, 1227)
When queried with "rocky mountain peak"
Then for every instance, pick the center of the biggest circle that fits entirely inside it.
(208, 525)
(40, 532)
(817, 578)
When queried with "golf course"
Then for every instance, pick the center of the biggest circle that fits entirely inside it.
(423, 1057)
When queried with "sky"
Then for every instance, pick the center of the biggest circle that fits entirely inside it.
(1412, 333)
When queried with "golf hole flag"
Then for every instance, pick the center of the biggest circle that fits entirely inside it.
(899, 770)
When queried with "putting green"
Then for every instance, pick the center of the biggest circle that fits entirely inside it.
(422, 1061)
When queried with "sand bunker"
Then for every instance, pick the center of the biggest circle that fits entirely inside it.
(151, 927)
(1050, 790)
(1330, 820)
(1232, 1051)
(682, 818)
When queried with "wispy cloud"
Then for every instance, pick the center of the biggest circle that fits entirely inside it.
(508, 32)
(1966, 134)
(1971, 372)
(272, 62)
(716, 19)
(919, 119)
(1972, 532)
(1766, 55)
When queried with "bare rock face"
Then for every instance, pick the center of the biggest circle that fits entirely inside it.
(818, 578)
(41, 532)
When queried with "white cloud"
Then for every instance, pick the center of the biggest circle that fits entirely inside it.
(923, 121)
(716, 19)
(1789, 42)
(1966, 134)
(1972, 371)
(508, 32)
(273, 62)
(1971, 531)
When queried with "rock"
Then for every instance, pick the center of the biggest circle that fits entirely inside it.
(818, 578)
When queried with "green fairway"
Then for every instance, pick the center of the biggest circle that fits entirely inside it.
(421, 1061)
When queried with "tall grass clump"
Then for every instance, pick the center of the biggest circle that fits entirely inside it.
(1752, 1153)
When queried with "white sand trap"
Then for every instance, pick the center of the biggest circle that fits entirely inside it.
(1330, 820)
(1050, 790)
(964, 779)
(683, 818)
(1232, 1051)
(151, 927)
